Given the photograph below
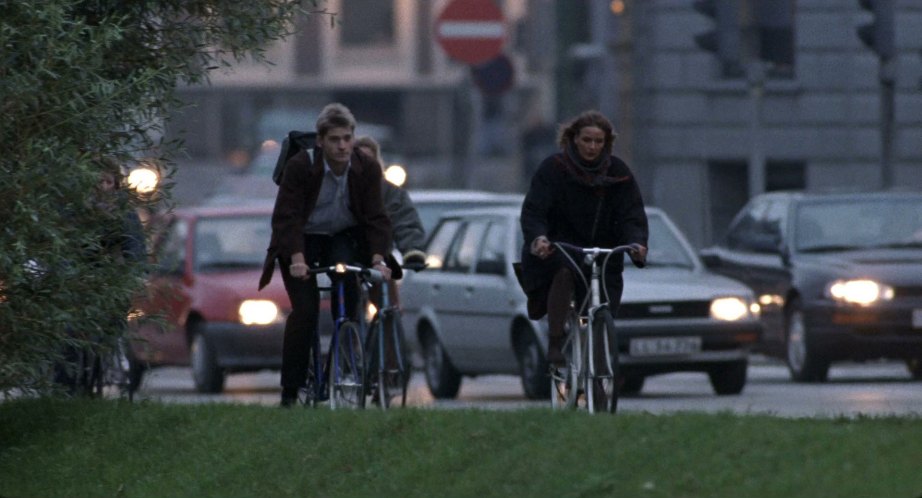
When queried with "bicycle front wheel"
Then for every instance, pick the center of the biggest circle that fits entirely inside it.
(565, 381)
(347, 368)
(602, 378)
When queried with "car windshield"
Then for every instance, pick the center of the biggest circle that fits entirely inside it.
(842, 225)
(231, 242)
(665, 249)
(429, 212)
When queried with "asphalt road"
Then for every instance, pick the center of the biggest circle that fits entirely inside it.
(875, 389)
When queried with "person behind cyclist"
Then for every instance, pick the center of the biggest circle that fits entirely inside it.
(585, 196)
(409, 234)
(327, 210)
(121, 240)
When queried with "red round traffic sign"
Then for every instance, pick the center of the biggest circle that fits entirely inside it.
(471, 31)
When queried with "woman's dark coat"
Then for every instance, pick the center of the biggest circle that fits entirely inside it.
(565, 203)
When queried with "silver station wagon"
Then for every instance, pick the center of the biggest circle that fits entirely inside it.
(466, 314)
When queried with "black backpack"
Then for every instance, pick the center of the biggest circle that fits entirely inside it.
(294, 142)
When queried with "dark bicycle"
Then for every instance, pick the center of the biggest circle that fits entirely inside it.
(339, 376)
(102, 371)
(388, 366)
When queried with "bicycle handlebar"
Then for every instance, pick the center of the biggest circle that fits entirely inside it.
(368, 274)
(596, 251)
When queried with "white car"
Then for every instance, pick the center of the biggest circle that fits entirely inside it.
(466, 314)
(431, 204)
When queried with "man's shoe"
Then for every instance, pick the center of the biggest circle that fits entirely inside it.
(289, 399)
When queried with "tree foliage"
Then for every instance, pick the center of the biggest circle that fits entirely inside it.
(82, 80)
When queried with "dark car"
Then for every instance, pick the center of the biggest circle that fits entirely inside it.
(838, 275)
(466, 314)
(212, 317)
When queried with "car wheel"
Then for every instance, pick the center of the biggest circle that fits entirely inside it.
(804, 362)
(208, 376)
(632, 384)
(914, 365)
(443, 379)
(729, 378)
(533, 367)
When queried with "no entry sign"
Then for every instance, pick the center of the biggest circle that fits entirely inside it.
(471, 31)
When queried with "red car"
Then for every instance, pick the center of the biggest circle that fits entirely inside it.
(212, 317)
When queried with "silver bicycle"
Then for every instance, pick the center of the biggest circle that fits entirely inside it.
(590, 379)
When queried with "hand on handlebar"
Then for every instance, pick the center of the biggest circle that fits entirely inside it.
(542, 248)
(298, 270)
(638, 255)
(414, 260)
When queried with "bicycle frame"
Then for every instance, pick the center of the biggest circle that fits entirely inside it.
(327, 377)
(586, 367)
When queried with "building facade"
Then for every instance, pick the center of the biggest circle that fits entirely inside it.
(696, 133)
(381, 59)
(702, 136)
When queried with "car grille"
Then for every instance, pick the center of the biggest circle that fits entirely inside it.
(684, 309)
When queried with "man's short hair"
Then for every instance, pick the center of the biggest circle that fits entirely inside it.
(334, 115)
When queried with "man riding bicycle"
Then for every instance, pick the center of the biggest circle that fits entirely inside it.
(328, 210)
(585, 196)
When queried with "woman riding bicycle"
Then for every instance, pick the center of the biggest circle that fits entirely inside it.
(585, 196)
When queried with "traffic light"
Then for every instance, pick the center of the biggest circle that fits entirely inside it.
(724, 39)
(878, 35)
(772, 34)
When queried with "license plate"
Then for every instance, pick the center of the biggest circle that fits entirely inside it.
(659, 346)
(917, 319)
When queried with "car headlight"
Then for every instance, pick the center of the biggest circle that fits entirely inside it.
(258, 312)
(729, 309)
(861, 291)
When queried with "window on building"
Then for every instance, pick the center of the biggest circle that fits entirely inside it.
(367, 23)
(728, 183)
(785, 175)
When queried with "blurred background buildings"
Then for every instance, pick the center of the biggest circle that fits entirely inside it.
(714, 101)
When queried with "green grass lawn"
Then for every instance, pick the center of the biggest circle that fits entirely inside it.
(85, 448)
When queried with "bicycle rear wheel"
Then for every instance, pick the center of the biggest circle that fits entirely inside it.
(565, 382)
(396, 374)
(347, 368)
(602, 378)
(388, 361)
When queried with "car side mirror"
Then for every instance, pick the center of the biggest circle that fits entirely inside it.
(709, 258)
